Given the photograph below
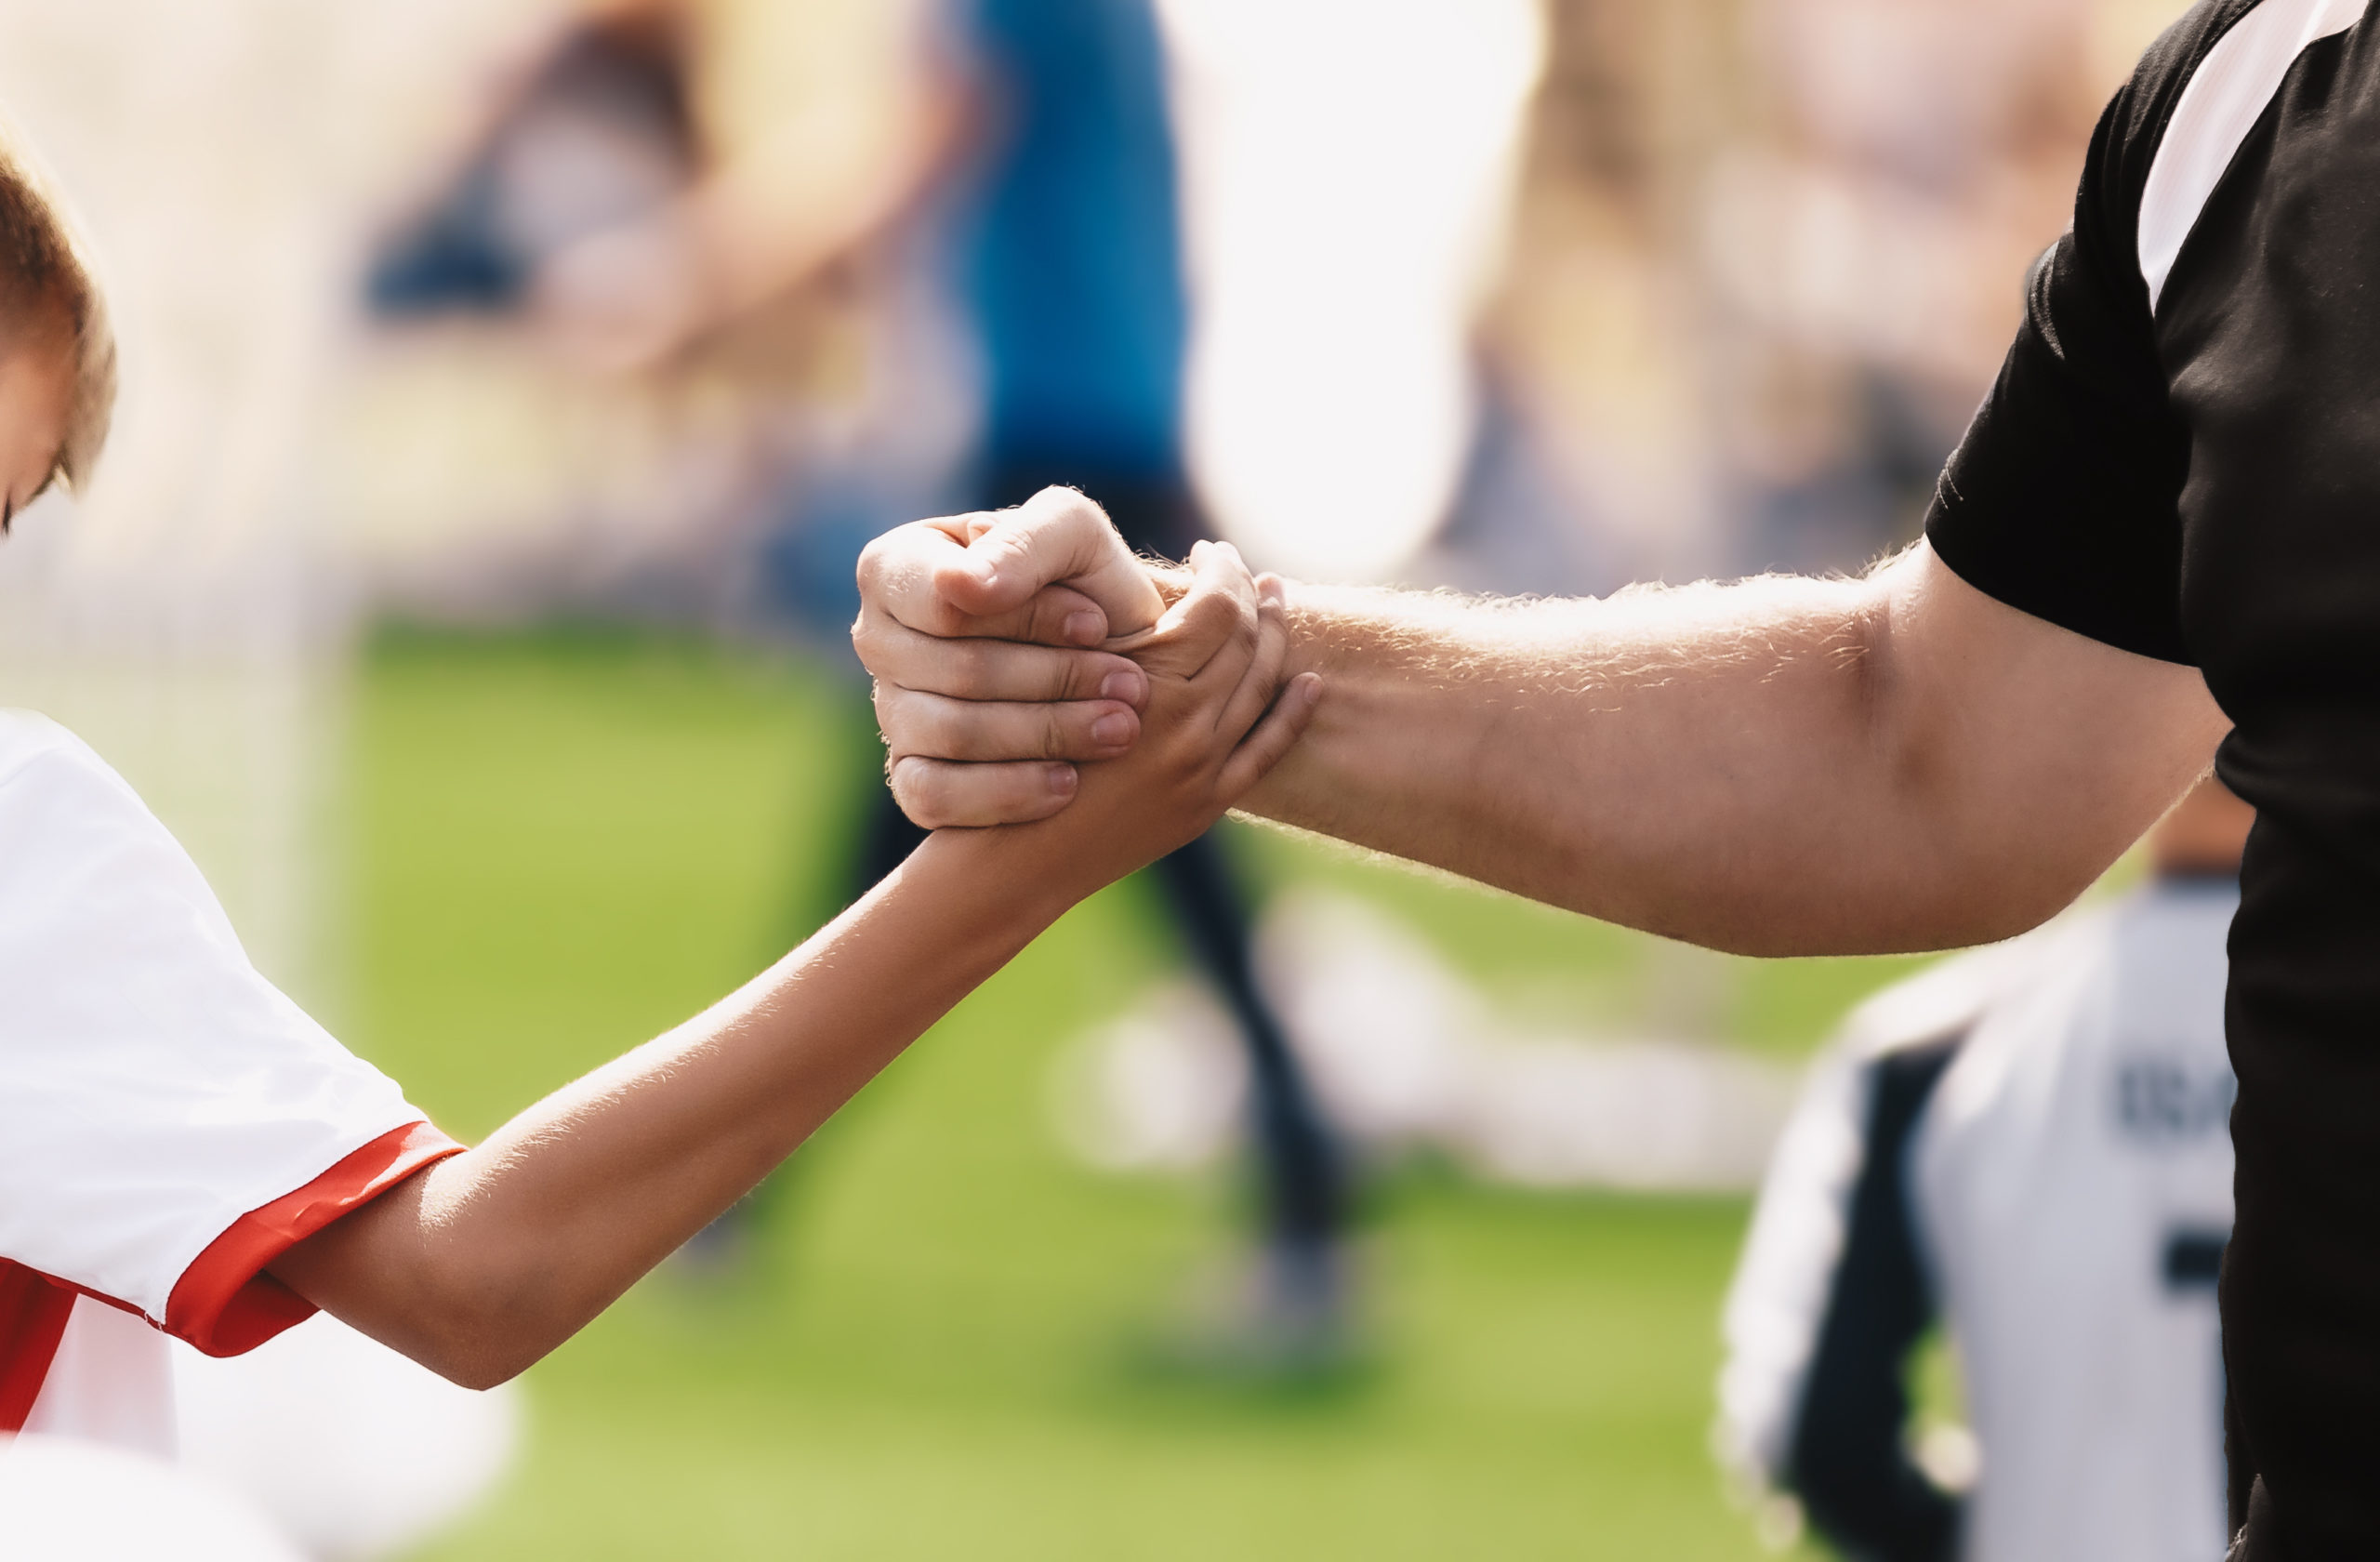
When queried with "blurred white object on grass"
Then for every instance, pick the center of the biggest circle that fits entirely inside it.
(355, 1451)
(65, 1500)
(1407, 1055)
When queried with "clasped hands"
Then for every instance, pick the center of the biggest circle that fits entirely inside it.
(1027, 664)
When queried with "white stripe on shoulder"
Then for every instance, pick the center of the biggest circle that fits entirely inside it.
(2222, 102)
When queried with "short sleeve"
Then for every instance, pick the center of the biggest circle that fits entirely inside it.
(169, 1122)
(2063, 500)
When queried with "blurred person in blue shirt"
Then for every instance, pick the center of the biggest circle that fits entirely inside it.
(1067, 245)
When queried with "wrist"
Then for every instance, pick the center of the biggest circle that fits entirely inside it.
(1303, 616)
(1015, 875)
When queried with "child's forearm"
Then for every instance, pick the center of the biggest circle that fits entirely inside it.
(484, 1262)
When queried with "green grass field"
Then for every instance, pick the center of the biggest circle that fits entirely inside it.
(567, 841)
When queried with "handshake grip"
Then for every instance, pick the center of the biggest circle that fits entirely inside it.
(1009, 649)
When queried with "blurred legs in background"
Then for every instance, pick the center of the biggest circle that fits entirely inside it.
(1296, 1313)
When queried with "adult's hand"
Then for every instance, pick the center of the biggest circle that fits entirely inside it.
(991, 638)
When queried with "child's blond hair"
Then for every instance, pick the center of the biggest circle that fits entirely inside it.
(46, 283)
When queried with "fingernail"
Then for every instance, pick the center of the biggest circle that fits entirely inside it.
(1310, 687)
(1085, 628)
(1112, 729)
(1125, 683)
(1062, 780)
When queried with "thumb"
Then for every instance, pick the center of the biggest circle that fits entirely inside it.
(1056, 535)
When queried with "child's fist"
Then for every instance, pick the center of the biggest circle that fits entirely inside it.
(1219, 717)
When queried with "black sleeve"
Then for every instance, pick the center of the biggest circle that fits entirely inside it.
(1847, 1460)
(2063, 499)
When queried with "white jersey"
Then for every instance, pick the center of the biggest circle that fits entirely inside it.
(169, 1122)
(2046, 1124)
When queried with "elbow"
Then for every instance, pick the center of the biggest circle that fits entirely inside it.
(2002, 903)
(479, 1368)
(477, 1355)
(481, 1334)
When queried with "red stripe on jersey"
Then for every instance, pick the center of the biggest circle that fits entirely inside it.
(33, 1320)
(224, 1303)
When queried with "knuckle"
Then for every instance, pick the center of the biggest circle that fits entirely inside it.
(904, 777)
(912, 726)
(902, 717)
(880, 561)
(871, 637)
(892, 722)
(929, 801)
(1071, 505)
(928, 729)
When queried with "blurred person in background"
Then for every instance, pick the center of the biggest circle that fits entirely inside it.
(664, 287)
(2027, 1145)
(1906, 157)
(595, 205)
(1593, 340)
(658, 171)
(599, 133)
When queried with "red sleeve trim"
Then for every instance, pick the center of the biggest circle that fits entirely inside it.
(33, 1320)
(224, 1303)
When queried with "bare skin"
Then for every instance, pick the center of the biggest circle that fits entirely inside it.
(36, 387)
(2206, 834)
(1782, 766)
(480, 1264)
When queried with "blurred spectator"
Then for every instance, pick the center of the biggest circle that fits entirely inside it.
(600, 136)
(1593, 338)
(1911, 156)
(661, 268)
(637, 194)
(2031, 1144)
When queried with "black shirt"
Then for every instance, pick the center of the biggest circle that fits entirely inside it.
(2182, 457)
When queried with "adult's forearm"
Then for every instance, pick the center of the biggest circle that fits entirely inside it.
(486, 1261)
(1779, 766)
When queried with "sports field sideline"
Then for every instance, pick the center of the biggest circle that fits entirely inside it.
(563, 842)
